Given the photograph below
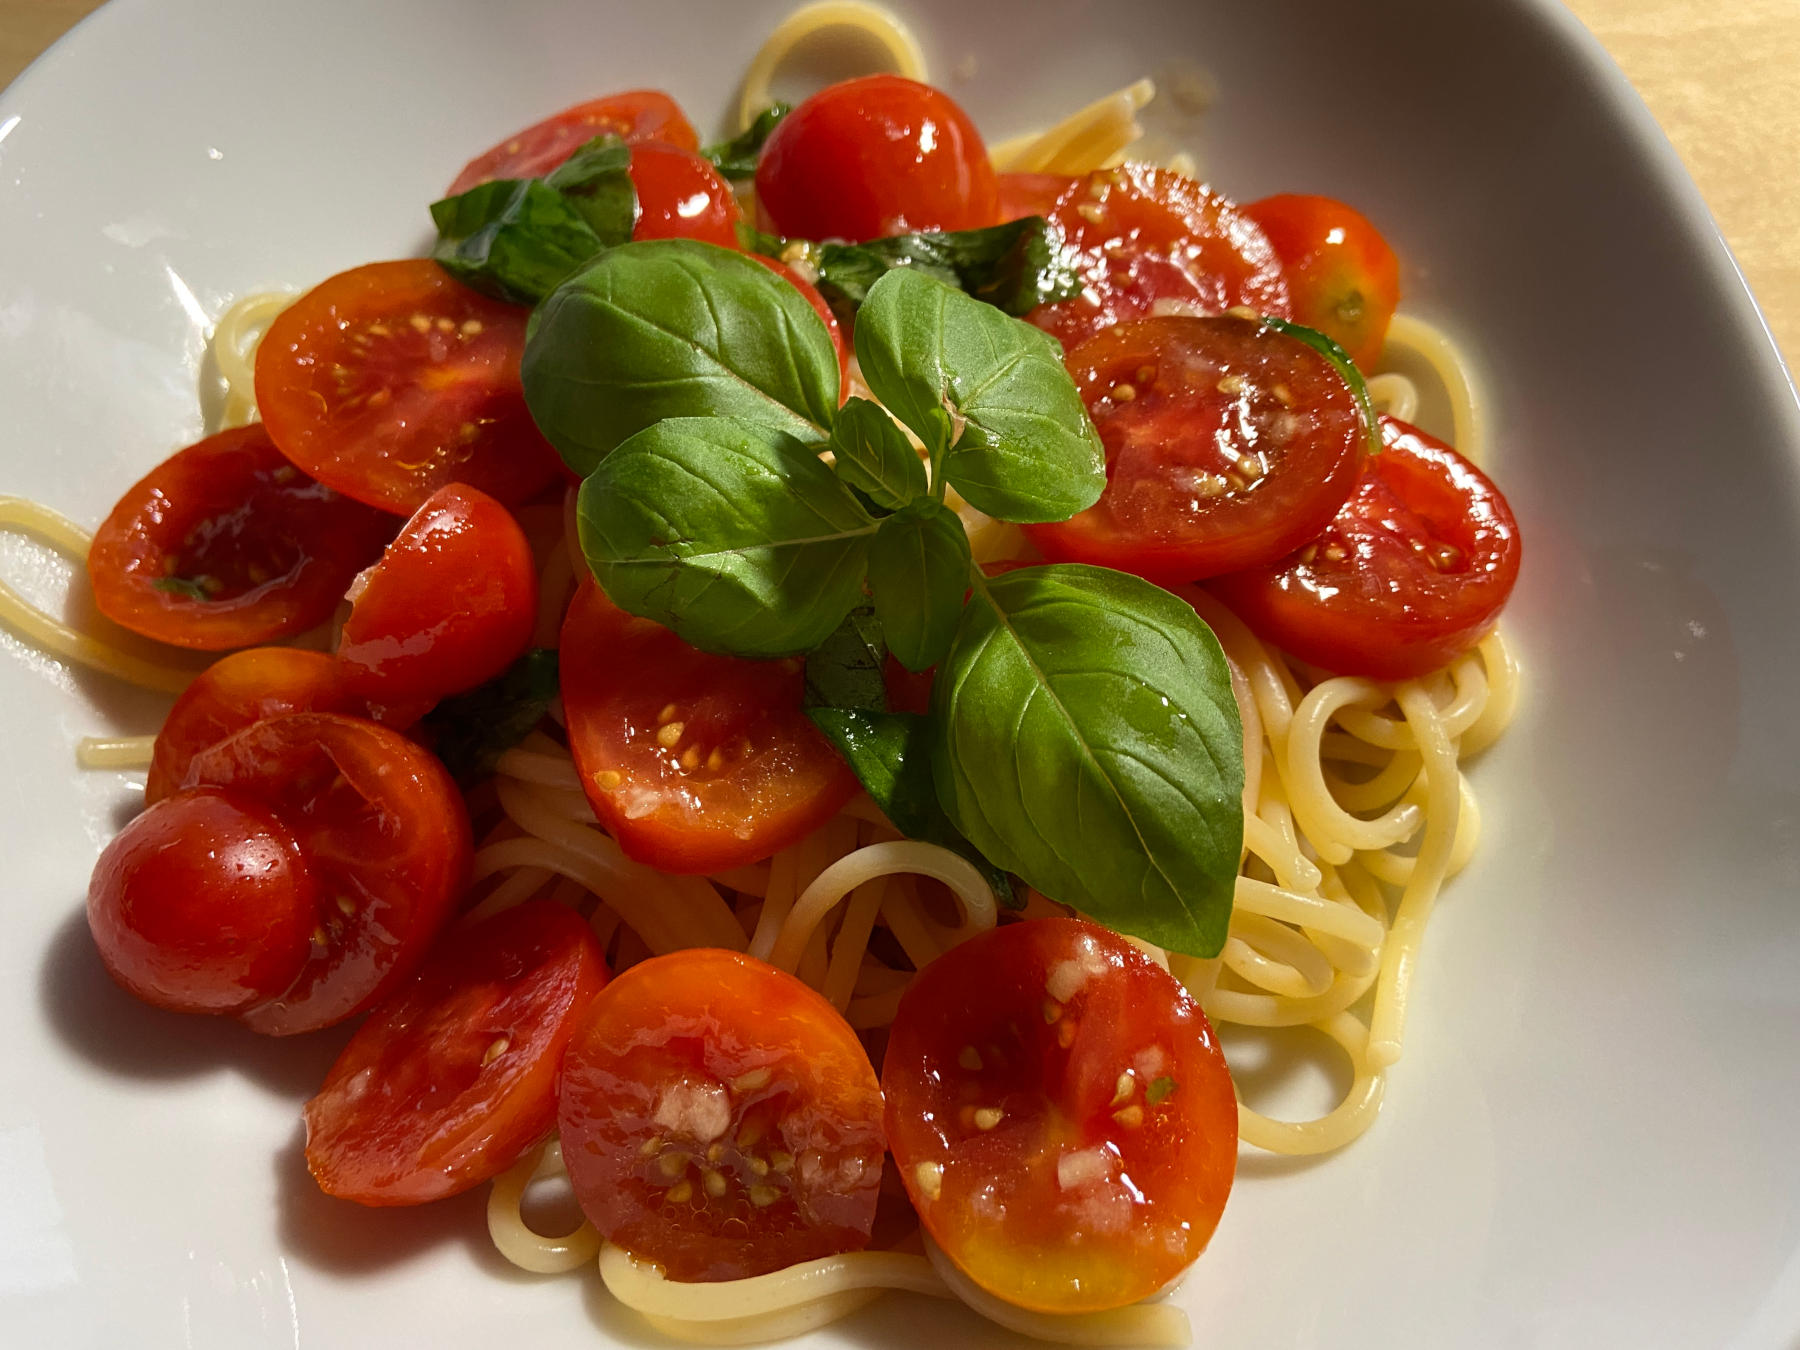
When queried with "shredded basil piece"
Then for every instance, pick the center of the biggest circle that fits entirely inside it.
(471, 731)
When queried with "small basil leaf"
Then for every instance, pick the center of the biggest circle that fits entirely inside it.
(733, 534)
(918, 570)
(891, 755)
(846, 669)
(1014, 267)
(512, 239)
(753, 240)
(596, 180)
(1328, 347)
(189, 588)
(874, 456)
(471, 731)
(1088, 740)
(736, 158)
(1027, 451)
(674, 328)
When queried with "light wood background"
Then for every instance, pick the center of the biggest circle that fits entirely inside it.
(1722, 76)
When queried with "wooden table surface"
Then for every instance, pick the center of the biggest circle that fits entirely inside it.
(1722, 76)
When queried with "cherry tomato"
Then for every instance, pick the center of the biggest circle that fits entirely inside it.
(636, 117)
(875, 156)
(226, 544)
(203, 904)
(693, 762)
(720, 1119)
(382, 829)
(450, 605)
(1228, 445)
(388, 381)
(1411, 573)
(454, 1076)
(1151, 241)
(1342, 277)
(1031, 194)
(823, 310)
(681, 196)
(1061, 1115)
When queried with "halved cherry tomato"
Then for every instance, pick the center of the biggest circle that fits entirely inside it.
(382, 829)
(823, 310)
(875, 156)
(1342, 277)
(635, 117)
(720, 1119)
(1031, 194)
(203, 904)
(389, 381)
(693, 762)
(1061, 1115)
(1410, 574)
(454, 1076)
(1228, 445)
(681, 196)
(1150, 241)
(450, 605)
(227, 544)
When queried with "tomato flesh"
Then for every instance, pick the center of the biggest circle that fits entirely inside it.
(389, 381)
(1410, 574)
(720, 1119)
(227, 544)
(681, 196)
(635, 117)
(1342, 277)
(1031, 194)
(1061, 1115)
(454, 1076)
(1228, 445)
(694, 762)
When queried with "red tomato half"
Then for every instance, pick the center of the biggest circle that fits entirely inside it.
(875, 156)
(823, 310)
(1228, 445)
(454, 1076)
(1412, 572)
(389, 381)
(227, 544)
(681, 196)
(1061, 1115)
(1342, 277)
(720, 1119)
(693, 762)
(383, 831)
(635, 117)
(450, 605)
(1150, 241)
(1031, 194)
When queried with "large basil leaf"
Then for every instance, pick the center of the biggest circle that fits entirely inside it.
(472, 730)
(733, 534)
(1014, 267)
(874, 456)
(1026, 450)
(512, 239)
(736, 158)
(1088, 740)
(674, 328)
(918, 571)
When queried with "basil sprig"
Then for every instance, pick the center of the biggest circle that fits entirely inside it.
(736, 158)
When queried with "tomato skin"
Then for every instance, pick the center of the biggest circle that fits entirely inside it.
(1031, 194)
(777, 778)
(1150, 240)
(451, 604)
(1366, 596)
(639, 116)
(391, 380)
(278, 547)
(454, 1076)
(382, 829)
(1083, 1194)
(811, 294)
(203, 904)
(735, 1069)
(875, 156)
(1343, 278)
(681, 196)
(1179, 503)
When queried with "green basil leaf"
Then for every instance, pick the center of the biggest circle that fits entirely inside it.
(512, 239)
(736, 158)
(471, 731)
(674, 328)
(1088, 740)
(1014, 267)
(874, 456)
(1328, 347)
(846, 670)
(753, 240)
(918, 571)
(189, 588)
(1027, 450)
(596, 181)
(733, 534)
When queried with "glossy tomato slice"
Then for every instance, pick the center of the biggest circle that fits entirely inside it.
(635, 117)
(227, 544)
(720, 1119)
(1228, 444)
(454, 1076)
(1151, 241)
(681, 196)
(1409, 575)
(389, 381)
(382, 829)
(1342, 277)
(1031, 194)
(693, 762)
(1061, 1115)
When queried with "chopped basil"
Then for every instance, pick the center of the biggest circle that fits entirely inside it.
(1159, 1090)
(473, 730)
(736, 158)
(1015, 267)
(192, 588)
